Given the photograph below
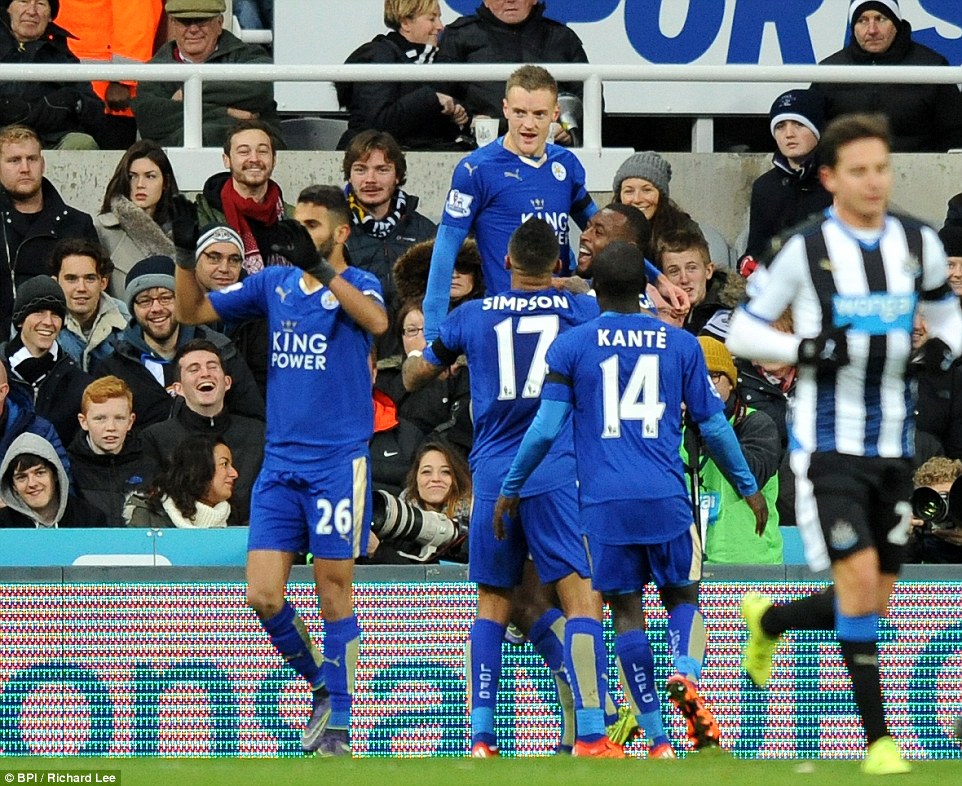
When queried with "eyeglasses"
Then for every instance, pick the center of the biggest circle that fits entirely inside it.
(146, 301)
(715, 375)
(411, 331)
(233, 260)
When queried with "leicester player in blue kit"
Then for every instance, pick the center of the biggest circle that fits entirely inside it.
(498, 187)
(313, 493)
(623, 378)
(505, 338)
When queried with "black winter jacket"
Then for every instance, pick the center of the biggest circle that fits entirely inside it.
(482, 38)
(28, 240)
(377, 255)
(923, 118)
(152, 402)
(244, 436)
(409, 111)
(57, 395)
(104, 480)
(52, 109)
(782, 198)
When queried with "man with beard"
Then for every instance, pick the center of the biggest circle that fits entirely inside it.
(385, 221)
(144, 351)
(245, 197)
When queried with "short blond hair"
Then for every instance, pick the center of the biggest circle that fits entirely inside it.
(12, 135)
(531, 78)
(396, 11)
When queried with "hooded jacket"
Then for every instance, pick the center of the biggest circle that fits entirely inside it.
(71, 512)
(18, 417)
(923, 118)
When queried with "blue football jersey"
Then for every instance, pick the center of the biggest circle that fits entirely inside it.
(627, 376)
(506, 339)
(494, 191)
(319, 399)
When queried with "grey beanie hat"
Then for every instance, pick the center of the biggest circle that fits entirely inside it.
(40, 293)
(154, 271)
(648, 166)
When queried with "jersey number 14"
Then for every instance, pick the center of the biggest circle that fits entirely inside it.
(639, 400)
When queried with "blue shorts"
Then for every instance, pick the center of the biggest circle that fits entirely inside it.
(620, 568)
(547, 528)
(325, 512)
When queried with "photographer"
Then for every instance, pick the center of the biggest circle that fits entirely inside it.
(936, 511)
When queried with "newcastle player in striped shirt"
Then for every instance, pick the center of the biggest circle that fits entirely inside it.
(854, 279)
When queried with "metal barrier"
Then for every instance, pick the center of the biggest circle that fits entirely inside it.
(593, 76)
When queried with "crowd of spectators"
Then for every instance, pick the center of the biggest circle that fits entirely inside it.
(123, 415)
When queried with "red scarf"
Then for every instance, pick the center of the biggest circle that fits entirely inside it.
(238, 209)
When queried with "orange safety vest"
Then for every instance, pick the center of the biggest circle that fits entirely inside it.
(108, 31)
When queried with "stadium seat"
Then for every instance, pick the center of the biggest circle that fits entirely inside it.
(312, 133)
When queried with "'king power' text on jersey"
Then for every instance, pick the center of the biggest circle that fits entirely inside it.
(506, 339)
(832, 277)
(318, 379)
(626, 376)
(494, 191)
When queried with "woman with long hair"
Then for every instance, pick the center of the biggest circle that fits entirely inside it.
(429, 519)
(134, 220)
(191, 492)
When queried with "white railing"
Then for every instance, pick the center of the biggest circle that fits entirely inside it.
(593, 76)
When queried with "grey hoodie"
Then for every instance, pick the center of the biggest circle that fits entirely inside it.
(32, 443)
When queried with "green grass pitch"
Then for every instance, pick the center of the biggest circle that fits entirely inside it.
(715, 769)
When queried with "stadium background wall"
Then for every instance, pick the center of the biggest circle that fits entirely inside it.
(108, 665)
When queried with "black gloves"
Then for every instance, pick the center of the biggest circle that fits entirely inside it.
(296, 245)
(827, 351)
(183, 221)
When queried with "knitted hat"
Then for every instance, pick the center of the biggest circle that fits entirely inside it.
(154, 271)
(648, 166)
(889, 8)
(40, 293)
(194, 9)
(217, 233)
(951, 236)
(54, 7)
(803, 106)
(718, 358)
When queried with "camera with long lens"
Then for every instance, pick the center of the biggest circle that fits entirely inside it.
(416, 533)
(938, 509)
(570, 116)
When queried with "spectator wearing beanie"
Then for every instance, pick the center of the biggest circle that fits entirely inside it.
(642, 181)
(923, 118)
(35, 359)
(791, 190)
(220, 255)
(144, 351)
(731, 536)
